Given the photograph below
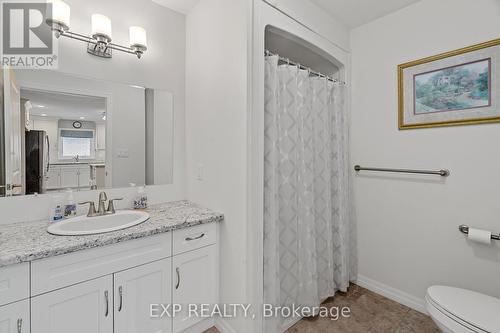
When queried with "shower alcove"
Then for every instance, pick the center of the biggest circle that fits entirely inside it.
(279, 34)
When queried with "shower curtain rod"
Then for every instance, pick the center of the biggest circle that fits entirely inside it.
(290, 62)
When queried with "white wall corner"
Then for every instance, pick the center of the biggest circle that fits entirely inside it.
(394, 294)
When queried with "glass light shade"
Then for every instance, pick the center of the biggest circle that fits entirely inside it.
(60, 12)
(101, 25)
(138, 37)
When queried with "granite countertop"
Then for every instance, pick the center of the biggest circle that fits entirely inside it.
(22, 242)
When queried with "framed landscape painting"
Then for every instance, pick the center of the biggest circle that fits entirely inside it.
(454, 88)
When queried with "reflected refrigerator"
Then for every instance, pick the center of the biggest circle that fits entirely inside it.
(37, 161)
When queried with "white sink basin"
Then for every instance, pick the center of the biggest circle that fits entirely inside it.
(83, 225)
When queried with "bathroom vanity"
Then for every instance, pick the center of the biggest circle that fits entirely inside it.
(107, 282)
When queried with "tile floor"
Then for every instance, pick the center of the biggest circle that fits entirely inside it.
(370, 313)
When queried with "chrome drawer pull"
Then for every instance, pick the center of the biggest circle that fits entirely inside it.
(178, 278)
(195, 238)
(120, 292)
(106, 297)
(19, 325)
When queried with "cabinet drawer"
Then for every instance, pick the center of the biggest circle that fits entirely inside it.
(14, 283)
(61, 271)
(193, 238)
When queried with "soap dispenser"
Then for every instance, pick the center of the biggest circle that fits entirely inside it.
(141, 199)
(70, 206)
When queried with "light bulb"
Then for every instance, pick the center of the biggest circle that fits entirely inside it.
(138, 37)
(101, 26)
(60, 12)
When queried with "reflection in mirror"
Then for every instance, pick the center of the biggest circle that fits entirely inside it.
(65, 141)
(66, 132)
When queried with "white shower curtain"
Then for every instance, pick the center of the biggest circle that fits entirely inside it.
(306, 190)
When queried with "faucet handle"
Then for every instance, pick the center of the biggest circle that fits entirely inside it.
(91, 211)
(111, 206)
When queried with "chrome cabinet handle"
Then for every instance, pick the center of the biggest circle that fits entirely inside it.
(195, 238)
(19, 325)
(106, 297)
(178, 278)
(120, 293)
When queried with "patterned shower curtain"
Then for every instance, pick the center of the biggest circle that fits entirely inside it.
(306, 190)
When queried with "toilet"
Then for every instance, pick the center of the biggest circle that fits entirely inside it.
(458, 310)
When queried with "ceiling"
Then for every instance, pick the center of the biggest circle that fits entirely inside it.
(65, 106)
(353, 13)
(182, 6)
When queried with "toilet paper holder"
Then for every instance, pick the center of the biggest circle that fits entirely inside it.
(465, 230)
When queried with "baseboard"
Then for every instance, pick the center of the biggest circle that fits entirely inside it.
(223, 326)
(392, 293)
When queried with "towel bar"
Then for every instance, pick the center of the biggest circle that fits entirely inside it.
(442, 172)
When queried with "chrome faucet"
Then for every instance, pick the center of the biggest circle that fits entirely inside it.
(103, 197)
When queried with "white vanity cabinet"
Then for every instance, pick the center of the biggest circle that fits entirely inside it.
(110, 289)
(82, 308)
(15, 317)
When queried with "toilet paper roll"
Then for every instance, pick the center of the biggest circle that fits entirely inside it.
(480, 236)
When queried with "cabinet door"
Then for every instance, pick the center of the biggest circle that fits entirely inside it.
(82, 308)
(194, 278)
(69, 177)
(52, 178)
(84, 177)
(15, 317)
(135, 290)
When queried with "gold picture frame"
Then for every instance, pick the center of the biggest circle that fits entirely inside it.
(403, 124)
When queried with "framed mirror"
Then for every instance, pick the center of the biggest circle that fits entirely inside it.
(61, 132)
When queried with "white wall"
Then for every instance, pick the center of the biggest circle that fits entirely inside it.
(216, 132)
(407, 226)
(219, 116)
(161, 67)
(316, 19)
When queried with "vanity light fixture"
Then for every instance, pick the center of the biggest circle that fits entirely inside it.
(99, 43)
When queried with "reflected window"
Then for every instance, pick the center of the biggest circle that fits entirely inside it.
(73, 143)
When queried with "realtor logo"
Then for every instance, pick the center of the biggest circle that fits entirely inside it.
(27, 41)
